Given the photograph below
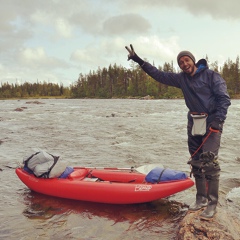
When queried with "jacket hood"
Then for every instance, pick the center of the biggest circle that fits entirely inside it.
(202, 62)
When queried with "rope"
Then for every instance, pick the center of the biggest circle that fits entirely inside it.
(211, 131)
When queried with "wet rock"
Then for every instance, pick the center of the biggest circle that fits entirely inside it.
(148, 97)
(112, 115)
(238, 159)
(18, 109)
(233, 200)
(223, 226)
(34, 102)
(234, 195)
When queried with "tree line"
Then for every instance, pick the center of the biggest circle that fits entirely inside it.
(32, 90)
(118, 82)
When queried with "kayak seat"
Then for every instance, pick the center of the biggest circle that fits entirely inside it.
(78, 174)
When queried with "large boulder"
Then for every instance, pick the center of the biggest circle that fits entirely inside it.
(224, 225)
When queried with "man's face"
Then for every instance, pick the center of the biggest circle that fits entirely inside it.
(187, 65)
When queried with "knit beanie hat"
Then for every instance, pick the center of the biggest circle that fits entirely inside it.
(185, 53)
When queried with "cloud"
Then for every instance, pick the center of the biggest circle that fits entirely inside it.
(105, 52)
(94, 53)
(109, 51)
(20, 75)
(84, 55)
(58, 39)
(217, 9)
(126, 23)
(88, 22)
(36, 58)
(64, 28)
(112, 47)
(60, 25)
(156, 49)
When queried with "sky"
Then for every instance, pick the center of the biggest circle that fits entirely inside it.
(56, 40)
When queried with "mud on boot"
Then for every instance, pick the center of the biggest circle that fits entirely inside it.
(199, 204)
(209, 212)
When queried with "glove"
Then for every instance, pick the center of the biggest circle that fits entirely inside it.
(207, 157)
(132, 55)
(217, 124)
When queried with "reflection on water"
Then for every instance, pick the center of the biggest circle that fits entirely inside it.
(150, 217)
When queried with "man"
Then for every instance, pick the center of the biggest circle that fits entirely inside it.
(206, 96)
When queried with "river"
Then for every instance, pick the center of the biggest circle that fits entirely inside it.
(103, 133)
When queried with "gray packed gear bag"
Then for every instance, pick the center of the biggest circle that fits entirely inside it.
(40, 163)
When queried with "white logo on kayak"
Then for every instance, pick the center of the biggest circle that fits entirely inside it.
(139, 188)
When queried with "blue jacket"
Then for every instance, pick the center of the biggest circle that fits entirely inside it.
(205, 91)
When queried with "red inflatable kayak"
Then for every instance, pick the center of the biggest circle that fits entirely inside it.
(104, 186)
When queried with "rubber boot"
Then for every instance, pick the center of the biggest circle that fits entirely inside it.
(201, 196)
(210, 211)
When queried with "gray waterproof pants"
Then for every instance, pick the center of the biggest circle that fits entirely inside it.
(212, 144)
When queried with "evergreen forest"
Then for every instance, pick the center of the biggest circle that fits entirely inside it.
(117, 82)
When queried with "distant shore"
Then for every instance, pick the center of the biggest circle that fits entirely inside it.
(237, 96)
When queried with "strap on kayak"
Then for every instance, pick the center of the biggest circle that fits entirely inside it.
(159, 179)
